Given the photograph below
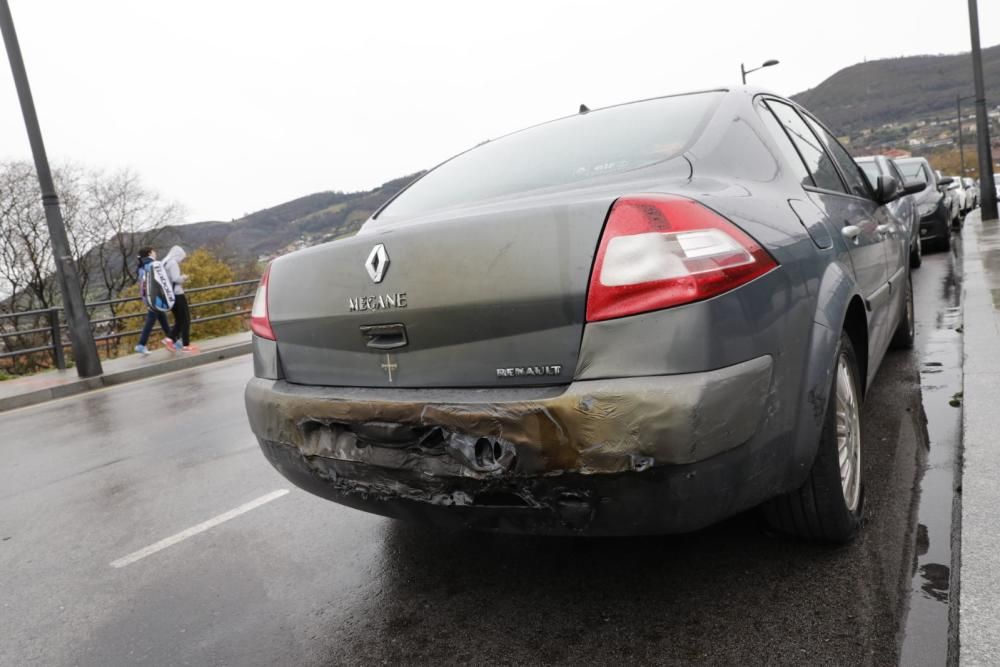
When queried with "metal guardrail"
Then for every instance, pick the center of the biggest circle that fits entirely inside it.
(56, 345)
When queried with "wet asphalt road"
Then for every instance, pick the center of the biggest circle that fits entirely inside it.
(299, 580)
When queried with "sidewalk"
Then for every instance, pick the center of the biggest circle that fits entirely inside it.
(59, 384)
(979, 575)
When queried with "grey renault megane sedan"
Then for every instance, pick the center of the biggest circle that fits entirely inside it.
(637, 319)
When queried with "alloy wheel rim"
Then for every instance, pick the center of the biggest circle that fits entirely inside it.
(848, 435)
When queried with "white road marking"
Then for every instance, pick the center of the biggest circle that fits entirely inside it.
(200, 528)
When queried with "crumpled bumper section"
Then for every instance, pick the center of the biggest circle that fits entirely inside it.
(619, 456)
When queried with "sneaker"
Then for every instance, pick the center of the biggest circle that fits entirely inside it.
(142, 349)
(191, 348)
(178, 346)
(169, 344)
(168, 341)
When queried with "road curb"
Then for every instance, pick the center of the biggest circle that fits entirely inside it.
(79, 386)
(979, 613)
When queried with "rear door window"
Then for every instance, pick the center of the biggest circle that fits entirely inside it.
(857, 183)
(788, 151)
(820, 165)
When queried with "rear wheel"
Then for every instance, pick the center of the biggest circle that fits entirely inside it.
(828, 506)
(944, 241)
(906, 330)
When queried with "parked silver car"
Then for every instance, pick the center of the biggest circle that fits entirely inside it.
(637, 319)
(971, 192)
(957, 190)
(906, 208)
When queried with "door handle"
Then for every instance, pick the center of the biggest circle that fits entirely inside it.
(851, 233)
(385, 336)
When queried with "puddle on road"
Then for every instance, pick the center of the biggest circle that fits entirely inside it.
(939, 343)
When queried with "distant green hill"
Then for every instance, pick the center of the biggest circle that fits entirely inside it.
(896, 90)
(301, 222)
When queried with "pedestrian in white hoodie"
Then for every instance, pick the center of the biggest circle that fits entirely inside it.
(181, 332)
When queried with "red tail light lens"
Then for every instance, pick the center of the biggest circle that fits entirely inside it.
(659, 251)
(260, 322)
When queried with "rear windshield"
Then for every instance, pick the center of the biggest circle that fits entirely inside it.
(560, 152)
(912, 170)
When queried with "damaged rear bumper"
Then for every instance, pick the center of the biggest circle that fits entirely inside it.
(619, 456)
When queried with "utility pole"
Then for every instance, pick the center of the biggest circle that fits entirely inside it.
(987, 190)
(88, 364)
(961, 147)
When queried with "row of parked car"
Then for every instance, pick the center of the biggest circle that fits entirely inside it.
(934, 210)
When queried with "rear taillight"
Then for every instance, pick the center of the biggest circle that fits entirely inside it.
(260, 321)
(659, 251)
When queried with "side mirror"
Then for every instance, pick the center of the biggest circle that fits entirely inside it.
(945, 180)
(888, 189)
(913, 187)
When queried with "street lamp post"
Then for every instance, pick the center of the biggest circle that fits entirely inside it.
(961, 148)
(88, 364)
(744, 71)
(987, 190)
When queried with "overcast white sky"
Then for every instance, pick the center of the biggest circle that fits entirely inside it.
(231, 106)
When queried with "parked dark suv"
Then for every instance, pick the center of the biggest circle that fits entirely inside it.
(932, 204)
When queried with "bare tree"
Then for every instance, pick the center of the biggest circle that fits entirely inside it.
(26, 267)
(118, 216)
(25, 259)
(108, 217)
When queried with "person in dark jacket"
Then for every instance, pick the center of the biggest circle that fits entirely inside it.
(146, 256)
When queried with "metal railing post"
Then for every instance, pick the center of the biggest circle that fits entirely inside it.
(57, 349)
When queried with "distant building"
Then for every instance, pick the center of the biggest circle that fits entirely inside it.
(937, 143)
(894, 153)
(916, 141)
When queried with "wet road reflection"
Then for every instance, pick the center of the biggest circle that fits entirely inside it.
(938, 288)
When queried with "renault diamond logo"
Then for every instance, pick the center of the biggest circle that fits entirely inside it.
(377, 263)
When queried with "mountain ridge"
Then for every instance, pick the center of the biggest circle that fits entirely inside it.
(898, 90)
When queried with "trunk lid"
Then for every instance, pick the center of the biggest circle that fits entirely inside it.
(493, 296)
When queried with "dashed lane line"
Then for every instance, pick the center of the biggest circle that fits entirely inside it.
(194, 530)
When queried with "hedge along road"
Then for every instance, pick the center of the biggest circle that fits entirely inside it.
(141, 523)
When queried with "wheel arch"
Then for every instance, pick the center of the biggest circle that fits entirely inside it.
(856, 327)
(839, 308)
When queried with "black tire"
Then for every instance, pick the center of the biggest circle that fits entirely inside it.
(944, 242)
(906, 330)
(818, 511)
(917, 255)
